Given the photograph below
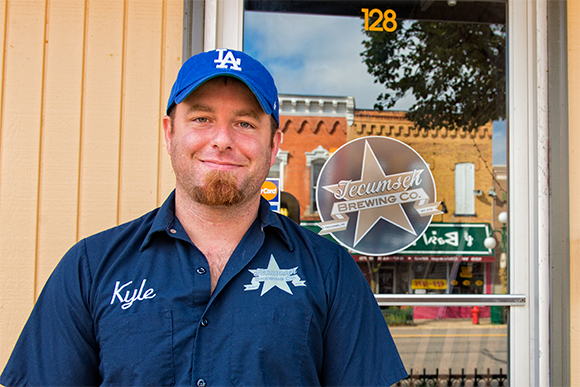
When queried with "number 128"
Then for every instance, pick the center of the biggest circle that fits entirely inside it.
(387, 17)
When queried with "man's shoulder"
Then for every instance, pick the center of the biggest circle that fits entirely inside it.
(328, 254)
(125, 237)
(136, 227)
(293, 228)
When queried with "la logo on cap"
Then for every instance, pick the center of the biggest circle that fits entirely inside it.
(222, 62)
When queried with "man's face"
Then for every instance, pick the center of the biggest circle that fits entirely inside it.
(220, 143)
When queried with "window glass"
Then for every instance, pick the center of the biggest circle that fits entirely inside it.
(315, 169)
(465, 189)
(454, 352)
(431, 74)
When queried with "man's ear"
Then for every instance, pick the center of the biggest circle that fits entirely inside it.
(167, 133)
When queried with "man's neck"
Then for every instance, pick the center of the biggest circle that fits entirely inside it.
(215, 230)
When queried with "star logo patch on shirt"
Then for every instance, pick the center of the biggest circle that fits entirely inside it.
(273, 276)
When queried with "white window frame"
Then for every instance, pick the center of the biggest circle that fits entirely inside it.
(281, 161)
(318, 154)
(528, 223)
(528, 325)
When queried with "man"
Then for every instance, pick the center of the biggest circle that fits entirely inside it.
(212, 288)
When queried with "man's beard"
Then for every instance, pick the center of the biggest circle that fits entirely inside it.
(219, 189)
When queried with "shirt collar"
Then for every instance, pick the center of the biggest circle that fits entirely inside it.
(271, 219)
(165, 219)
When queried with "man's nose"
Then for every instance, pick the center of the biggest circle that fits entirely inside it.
(222, 137)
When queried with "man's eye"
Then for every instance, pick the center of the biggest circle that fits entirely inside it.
(201, 119)
(246, 125)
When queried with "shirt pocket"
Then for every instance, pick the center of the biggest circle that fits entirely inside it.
(268, 346)
(137, 349)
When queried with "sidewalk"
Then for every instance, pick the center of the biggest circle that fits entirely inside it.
(456, 323)
(453, 343)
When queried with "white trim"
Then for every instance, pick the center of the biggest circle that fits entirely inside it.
(224, 24)
(543, 189)
(317, 154)
(282, 159)
(210, 25)
(528, 194)
(230, 24)
(317, 106)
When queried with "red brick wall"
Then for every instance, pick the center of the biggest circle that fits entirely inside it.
(303, 134)
(441, 149)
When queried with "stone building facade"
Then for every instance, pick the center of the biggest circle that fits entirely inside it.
(312, 128)
(443, 150)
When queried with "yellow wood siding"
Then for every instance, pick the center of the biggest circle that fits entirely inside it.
(83, 89)
(574, 155)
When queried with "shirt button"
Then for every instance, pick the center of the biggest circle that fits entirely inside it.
(173, 231)
(201, 383)
(201, 270)
(204, 322)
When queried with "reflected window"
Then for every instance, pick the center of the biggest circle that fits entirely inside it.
(315, 160)
(277, 170)
(464, 189)
(437, 82)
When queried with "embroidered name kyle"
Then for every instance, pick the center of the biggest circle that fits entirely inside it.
(129, 299)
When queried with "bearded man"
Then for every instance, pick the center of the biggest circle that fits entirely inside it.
(212, 288)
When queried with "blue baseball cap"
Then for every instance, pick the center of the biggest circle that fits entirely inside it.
(223, 62)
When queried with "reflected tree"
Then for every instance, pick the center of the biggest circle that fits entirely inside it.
(456, 72)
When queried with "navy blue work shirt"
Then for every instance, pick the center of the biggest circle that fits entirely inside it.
(132, 306)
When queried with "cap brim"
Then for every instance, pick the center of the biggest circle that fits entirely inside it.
(189, 89)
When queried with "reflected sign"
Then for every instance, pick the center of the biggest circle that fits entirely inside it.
(376, 196)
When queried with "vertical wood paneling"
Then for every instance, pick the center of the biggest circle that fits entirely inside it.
(171, 61)
(101, 111)
(3, 27)
(83, 89)
(574, 182)
(20, 142)
(140, 115)
(59, 168)
(8, 327)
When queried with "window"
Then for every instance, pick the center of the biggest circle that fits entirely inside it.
(464, 189)
(529, 336)
(315, 160)
(277, 170)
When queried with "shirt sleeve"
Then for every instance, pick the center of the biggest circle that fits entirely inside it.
(57, 346)
(358, 347)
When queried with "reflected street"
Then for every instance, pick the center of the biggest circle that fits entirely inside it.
(452, 343)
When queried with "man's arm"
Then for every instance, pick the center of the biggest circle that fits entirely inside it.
(57, 346)
(358, 347)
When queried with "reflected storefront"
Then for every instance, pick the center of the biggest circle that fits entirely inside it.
(329, 98)
(447, 259)
(433, 75)
(452, 259)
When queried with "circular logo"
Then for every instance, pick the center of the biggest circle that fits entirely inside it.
(376, 196)
(269, 190)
